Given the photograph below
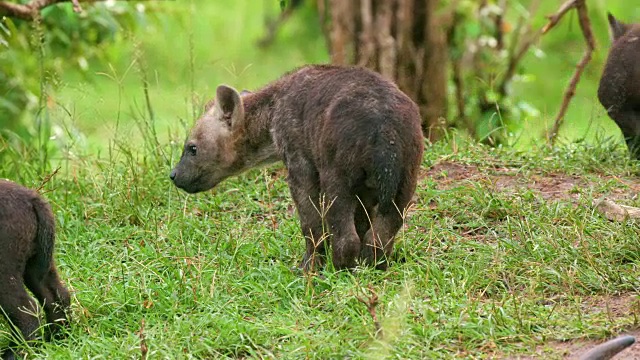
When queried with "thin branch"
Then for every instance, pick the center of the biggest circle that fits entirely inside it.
(274, 25)
(47, 179)
(30, 10)
(322, 18)
(555, 18)
(500, 25)
(585, 25)
(143, 342)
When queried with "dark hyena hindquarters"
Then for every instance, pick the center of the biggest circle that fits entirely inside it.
(351, 142)
(27, 234)
(619, 89)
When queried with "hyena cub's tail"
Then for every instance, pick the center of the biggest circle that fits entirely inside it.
(387, 170)
(45, 236)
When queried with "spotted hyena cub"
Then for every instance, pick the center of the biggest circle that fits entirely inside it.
(350, 140)
(619, 89)
(27, 234)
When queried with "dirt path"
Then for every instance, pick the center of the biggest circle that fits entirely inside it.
(553, 186)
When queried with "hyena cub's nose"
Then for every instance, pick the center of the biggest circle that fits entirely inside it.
(173, 174)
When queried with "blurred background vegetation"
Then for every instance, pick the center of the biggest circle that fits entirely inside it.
(80, 80)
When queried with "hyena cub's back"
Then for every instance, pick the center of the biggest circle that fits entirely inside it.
(27, 235)
(346, 135)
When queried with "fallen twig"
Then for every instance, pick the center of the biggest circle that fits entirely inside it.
(371, 302)
(143, 342)
(616, 212)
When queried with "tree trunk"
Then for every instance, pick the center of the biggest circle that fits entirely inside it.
(403, 41)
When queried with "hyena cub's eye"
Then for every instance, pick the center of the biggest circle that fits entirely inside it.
(192, 150)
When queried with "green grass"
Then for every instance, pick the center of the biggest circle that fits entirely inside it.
(479, 271)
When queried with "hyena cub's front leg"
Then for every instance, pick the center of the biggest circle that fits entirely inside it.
(305, 191)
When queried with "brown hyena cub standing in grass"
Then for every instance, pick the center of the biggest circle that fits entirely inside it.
(27, 235)
(351, 142)
(619, 90)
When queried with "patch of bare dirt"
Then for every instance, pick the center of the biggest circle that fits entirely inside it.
(612, 306)
(550, 186)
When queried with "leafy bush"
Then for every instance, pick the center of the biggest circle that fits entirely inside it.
(35, 53)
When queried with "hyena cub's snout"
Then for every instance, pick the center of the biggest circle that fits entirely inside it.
(180, 181)
(173, 175)
(185, 171)
(177, 180)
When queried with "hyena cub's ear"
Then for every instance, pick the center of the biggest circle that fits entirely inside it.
(229, 105)
(617, 28)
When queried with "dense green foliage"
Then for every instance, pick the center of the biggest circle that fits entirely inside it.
(520, 112)
(94, 65)
(35, 54)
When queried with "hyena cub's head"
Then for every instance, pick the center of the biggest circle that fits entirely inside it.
(210, 153)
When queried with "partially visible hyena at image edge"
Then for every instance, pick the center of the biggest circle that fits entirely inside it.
(350, 140)
(619, 88)
(27, 236)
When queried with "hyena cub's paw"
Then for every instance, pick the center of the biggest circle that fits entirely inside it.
(312, 263)
(372, 252)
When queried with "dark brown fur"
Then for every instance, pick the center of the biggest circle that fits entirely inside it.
(345, 134)
(27, 235)
(619, 90)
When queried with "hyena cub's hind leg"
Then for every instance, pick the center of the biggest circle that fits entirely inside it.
(54, 297)
(388, 219)
(345, 242)
(41, 276)
(20, 311)
(378, 241)
(365, 210)
(629, 122)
